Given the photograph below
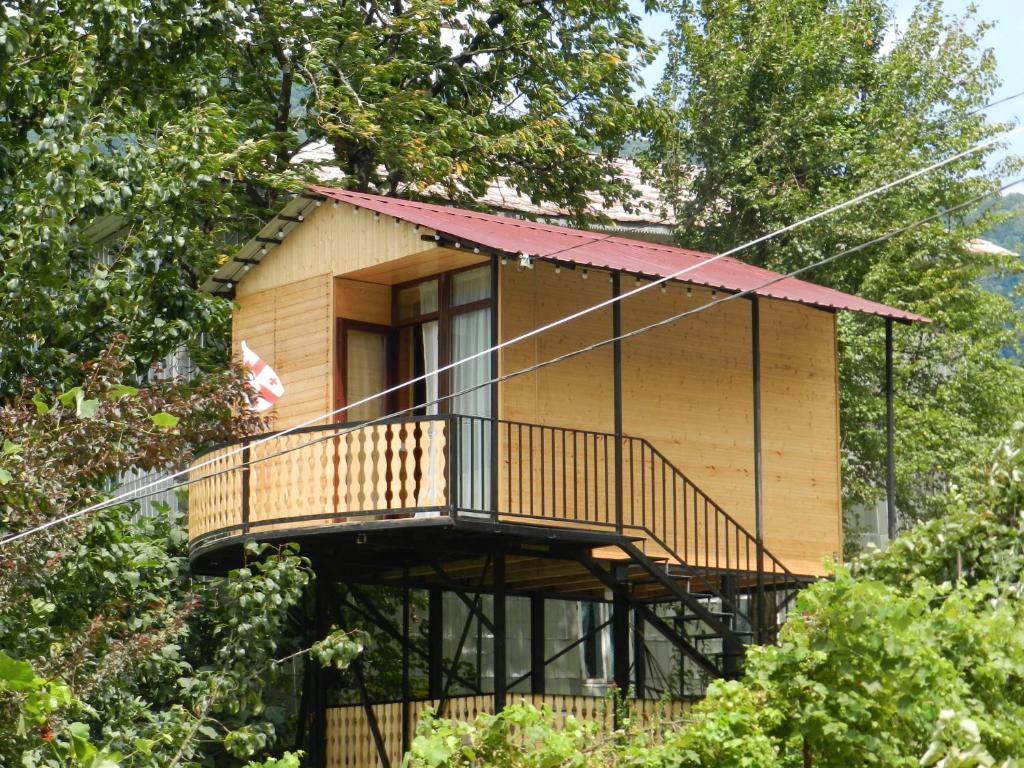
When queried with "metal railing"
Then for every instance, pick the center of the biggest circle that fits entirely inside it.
(470, 466)
(598, 480)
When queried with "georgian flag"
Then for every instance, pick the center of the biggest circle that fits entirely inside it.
(262, 379)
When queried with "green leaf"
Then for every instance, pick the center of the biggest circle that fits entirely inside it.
(121, 391)
(5, 476)
(164, 420)
(73, 395)
(87, 409)
(42, 407)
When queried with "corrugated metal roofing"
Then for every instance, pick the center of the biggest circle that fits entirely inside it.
(600, 250)
(608, 251)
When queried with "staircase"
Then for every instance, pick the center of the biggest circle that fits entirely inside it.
(686, 565)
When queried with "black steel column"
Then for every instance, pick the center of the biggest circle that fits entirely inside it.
(435, 640)
(732, 649)
(500, 665)
(406, 689)
(617, 395)
(318, 699)
(890, 434)
(245, 487)
(755, 338)
(620, 631)
(639, 656)
(495, 361)
(538, 680)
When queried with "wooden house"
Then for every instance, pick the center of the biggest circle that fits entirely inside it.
(672, 454)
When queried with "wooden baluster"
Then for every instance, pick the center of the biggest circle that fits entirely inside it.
(394, 445)
(380, 467)
(409, 465)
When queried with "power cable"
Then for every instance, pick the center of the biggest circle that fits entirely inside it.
(574, 316)
(131, 496)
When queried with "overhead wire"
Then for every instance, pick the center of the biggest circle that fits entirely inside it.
(502, 377)
(568, 318)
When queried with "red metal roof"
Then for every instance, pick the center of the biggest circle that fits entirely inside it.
(604, 251)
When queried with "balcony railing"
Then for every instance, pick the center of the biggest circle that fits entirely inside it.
(444, 465)
(322, 476)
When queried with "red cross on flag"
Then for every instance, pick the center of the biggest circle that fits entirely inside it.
(262, 379)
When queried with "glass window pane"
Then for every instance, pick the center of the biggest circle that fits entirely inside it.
(366, 373)
(417, 300)
(471, 285)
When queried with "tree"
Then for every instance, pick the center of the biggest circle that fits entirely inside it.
(171, 127)
(120, 648)
(911, 658)
(780, 108)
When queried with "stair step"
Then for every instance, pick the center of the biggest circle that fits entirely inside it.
(715, 636)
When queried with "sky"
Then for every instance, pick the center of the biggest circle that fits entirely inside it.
(1006, 40)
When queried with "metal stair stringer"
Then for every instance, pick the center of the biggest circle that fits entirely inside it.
(688, 600)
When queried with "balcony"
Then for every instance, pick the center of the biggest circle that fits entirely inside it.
(437, 470)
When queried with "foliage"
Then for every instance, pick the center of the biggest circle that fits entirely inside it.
(780, 108)
(155, 664)
(913, 658)
(143, 140)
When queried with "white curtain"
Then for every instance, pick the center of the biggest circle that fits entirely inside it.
(430, 365)
(428, 495)
(471, 334)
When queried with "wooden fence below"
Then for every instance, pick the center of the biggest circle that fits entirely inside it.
(350, 742)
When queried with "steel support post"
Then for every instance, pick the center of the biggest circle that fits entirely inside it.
(620, 630)
(537, 632)
(617, 395)
(755, 336)
(890, 434)
(500, 635)
(435, 640)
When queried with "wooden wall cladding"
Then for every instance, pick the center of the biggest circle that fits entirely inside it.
(291, 327)
(365, 302)
(576, 393)
(334, 240)
(800, 425)
(350, 742)
(687, 388)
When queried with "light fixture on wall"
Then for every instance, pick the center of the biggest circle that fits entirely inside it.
(558, 270)
(664, 288)
(525, 262)
(689, 291)
(583, 274)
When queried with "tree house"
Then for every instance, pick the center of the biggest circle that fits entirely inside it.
(680, 484)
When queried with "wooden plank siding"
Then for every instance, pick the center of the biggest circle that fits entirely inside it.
(350, 742)
(337, 241)
(291, 327)
(687, 388)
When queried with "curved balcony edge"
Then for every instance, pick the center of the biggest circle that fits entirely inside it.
(319, 479)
